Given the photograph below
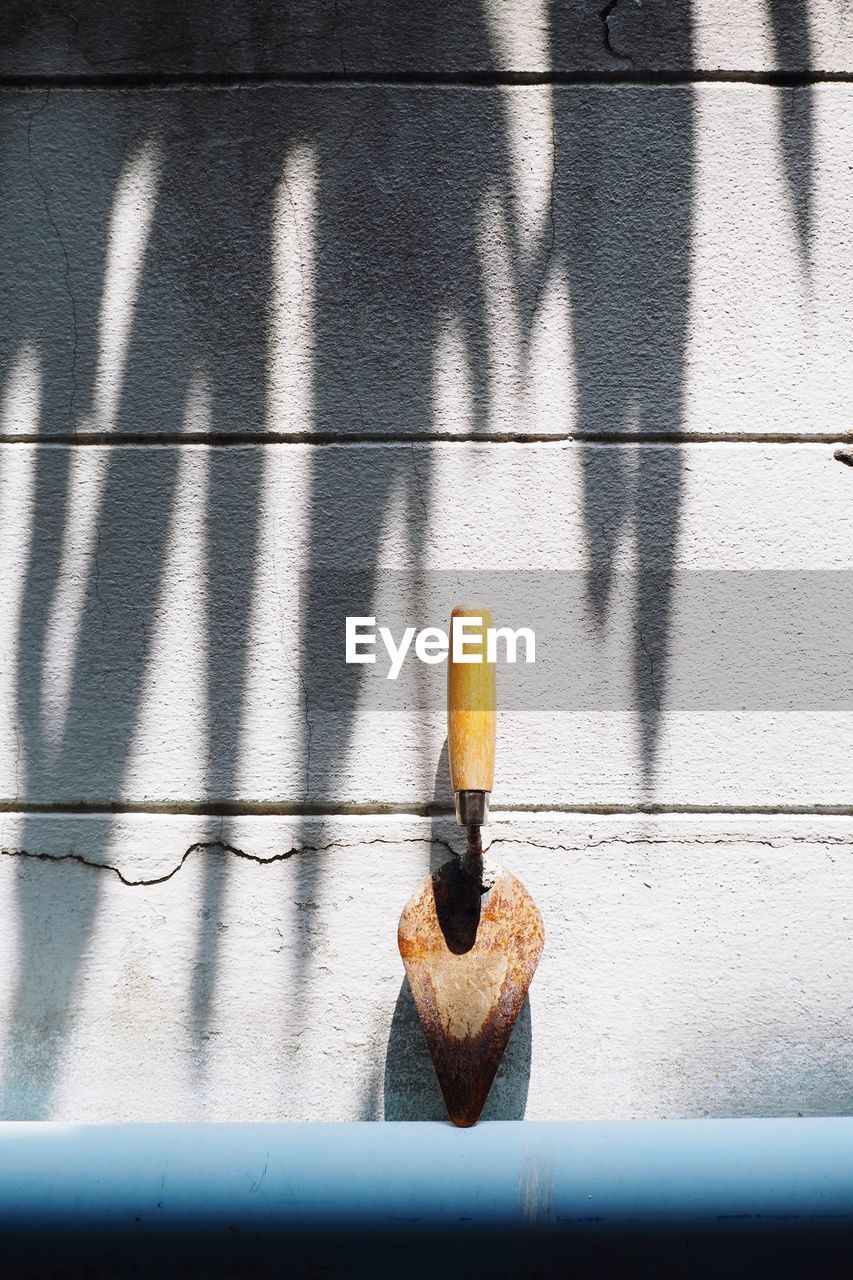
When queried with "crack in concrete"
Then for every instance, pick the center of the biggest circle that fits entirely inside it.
(773, 842)
(17, 730)
(223, 846)
(74, 22)
(146, 55)
(67, 277)
(102, 607)
(843, 14)
(579, 846)
(340, 38)
(308, 731)
(604, 15)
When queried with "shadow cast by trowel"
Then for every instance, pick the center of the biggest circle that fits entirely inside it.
(411, 1089)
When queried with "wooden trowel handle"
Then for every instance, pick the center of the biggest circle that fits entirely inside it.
(471, 718)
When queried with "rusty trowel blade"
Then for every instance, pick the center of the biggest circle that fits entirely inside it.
(469, 958)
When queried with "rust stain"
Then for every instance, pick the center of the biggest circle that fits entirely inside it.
(469, 957)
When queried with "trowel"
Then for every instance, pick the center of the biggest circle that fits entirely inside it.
(471, 936)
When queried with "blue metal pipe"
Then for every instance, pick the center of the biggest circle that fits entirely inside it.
(631, 1198)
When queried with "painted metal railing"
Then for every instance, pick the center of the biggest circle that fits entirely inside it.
(705, 1197)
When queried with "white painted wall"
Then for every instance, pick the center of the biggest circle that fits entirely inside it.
(413, 321)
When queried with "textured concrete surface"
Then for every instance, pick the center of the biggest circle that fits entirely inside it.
(693, 967)
(345, 37)
(415, 260)
(170, 635)
(402, 304)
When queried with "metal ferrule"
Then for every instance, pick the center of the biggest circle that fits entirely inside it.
(472, 808)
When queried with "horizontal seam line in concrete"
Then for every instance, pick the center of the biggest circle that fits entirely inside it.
(426, 79)
(226, 440)
(261, 809)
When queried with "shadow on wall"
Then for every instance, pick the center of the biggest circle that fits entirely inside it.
(132, 316)
(164, 321)
(411, 1089)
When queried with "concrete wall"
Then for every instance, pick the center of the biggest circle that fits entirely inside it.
(424, 296)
